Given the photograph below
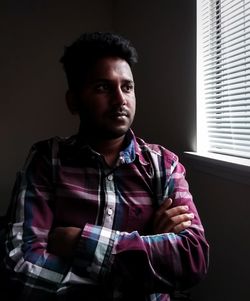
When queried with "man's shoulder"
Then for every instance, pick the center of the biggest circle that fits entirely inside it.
(156, 149)
(53, 142)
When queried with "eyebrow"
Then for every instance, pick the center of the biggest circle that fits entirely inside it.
(105, 80)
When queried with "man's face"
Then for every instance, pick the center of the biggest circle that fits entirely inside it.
(107, 99)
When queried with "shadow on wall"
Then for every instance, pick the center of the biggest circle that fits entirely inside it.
(33, 35)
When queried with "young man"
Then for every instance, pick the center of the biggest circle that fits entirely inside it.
(103, 215)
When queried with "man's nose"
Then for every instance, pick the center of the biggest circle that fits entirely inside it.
(118, 97)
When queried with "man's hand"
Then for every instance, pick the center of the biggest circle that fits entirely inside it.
(174, 219)
(62, 240)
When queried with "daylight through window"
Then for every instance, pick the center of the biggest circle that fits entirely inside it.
(223, 77)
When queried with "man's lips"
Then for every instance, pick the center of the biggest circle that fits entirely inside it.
(119, 114)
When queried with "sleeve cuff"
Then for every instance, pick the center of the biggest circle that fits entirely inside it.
(94, 251)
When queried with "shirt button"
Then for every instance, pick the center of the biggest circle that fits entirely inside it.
(110, 177)
(122, 160)
(110, 211)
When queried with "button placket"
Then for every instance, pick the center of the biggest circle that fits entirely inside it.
(110, 199)
(109, 211)
(110, 177)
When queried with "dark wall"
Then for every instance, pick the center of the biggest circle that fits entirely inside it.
(33, 35)
(224, 207)
(164, 34)
(32, 107)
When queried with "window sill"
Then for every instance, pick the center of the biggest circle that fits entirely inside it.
(227, 167)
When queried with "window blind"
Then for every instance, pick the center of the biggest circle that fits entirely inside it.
(226, 73)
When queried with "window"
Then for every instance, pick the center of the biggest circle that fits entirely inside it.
(223, 77)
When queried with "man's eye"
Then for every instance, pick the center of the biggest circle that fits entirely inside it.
(102, 88)
(128, 88)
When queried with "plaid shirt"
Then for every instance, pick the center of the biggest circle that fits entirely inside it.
(66, 183)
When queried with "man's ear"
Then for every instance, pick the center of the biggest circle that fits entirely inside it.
(72, 103)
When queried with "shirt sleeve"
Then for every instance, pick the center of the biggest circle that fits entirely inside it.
(30, 265)
(154, 263)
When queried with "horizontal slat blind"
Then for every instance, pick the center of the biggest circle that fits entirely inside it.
(226, 65)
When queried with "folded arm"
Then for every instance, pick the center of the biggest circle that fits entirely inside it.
(174, 256)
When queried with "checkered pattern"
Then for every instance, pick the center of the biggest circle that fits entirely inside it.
(66, 183)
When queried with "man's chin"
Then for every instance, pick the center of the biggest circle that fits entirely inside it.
(114, 134)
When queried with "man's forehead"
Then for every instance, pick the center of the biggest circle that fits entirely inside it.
(111, 68)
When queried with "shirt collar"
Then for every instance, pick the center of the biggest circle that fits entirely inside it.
(129, 154)
(133, 150)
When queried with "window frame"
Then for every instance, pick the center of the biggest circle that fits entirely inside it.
(227, 167)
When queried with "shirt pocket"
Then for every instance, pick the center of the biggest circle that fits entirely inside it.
(139, 218)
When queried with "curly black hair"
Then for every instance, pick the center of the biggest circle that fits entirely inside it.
(88, 48)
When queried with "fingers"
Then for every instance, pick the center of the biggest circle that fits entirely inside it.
(174, 219)
(163, 208)
(180, 222)
(166, 213)
(182, 226)
(166, 204)
(174, 223)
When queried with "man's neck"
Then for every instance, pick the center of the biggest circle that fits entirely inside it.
(109, 148)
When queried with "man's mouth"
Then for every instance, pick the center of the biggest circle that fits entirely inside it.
(119, 114)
